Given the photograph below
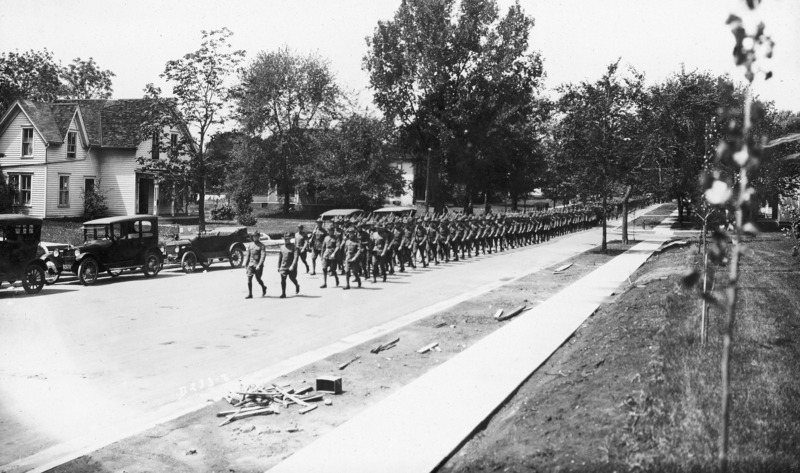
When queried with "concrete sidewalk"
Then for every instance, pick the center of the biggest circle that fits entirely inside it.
(419, 426)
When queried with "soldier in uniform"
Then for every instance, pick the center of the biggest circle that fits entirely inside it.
(301, 241)
(317, 238)
(254, 264)
(352, 258)
(287, 263)
(329, 247)
(379, 249)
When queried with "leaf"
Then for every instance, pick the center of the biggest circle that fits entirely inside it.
(733, 19)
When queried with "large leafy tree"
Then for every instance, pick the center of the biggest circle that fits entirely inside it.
(460, 82)
(201, 92)
(681, 113)
(354, 163)
(779, 171)
(286, 97)
(597, 124)
(32, 75)
(85, 80)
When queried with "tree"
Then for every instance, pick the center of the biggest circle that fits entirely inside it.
(461, 85)
(31, 75)
(201, 94)
(85, 80)
(284, 96)
(597, 123)
(681, 110)
(354, 163)
(778, 173)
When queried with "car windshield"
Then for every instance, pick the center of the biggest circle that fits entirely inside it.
(96, 232)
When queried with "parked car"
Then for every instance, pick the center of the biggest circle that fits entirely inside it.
(341, 213)
(192, 247)
(114, 244)
(55, 256)
(395, 212)
(19, 244)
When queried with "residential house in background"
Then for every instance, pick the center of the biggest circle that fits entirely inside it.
(52, 153)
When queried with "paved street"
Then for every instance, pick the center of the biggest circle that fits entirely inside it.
(80, 365)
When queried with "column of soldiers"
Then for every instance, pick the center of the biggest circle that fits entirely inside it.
(370, 248)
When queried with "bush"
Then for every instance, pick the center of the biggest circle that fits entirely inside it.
(94, 202)
(242, 198)
(222, 212)
(246, 219)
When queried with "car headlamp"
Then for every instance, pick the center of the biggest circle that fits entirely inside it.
(56, 252)
(177, 249)
(77, 252)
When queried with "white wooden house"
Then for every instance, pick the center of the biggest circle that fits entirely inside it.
(53, 152)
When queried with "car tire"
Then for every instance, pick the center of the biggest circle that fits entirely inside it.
(33, 279)
(237, 257)
(189, 262)
(88, 271)
(52, 273)
(152, 265)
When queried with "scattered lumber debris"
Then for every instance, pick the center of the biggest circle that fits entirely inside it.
(428, 348)
(672, 243)
(440, 325)
(562, 268)
(513, 313)
(498, 313)
(346, 364)
(254, 401)
(309, 409)
(385, 346)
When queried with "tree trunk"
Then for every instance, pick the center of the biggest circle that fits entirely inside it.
(514, 198)
(485, 202)
(775, 201)
(201, 205)
(704, 310)
(625, 199)
(604, 244)
(680, 211)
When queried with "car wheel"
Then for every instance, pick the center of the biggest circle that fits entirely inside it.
(152, 265)
(189, 262)
(33, 279)
(237, 257)
(88, 271)
(114, 273)
(52, 274)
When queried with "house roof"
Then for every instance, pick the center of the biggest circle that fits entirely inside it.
(63, 113)
(43, 120)
(108, 123)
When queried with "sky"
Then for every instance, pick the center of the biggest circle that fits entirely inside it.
(577, 38)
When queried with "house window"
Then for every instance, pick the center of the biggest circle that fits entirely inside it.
(155, 152)
(173, 143)
(72, 139)
(63, 191)
(21, 183)
(27, 142)
(88, 185)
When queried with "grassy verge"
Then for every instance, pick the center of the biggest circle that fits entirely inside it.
(634, 390)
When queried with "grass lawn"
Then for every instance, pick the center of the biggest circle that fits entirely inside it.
(634, 390)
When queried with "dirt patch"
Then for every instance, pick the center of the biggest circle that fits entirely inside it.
(258, 443)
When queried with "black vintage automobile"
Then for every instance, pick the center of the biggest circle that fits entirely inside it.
(193, 247)
(114, 244)
(19, 246)
(56, 256)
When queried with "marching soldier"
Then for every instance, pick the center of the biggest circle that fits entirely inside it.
(287, 263)
(254, 264)
(317, 238)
